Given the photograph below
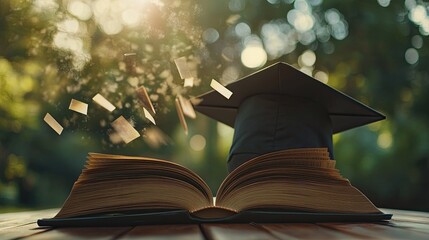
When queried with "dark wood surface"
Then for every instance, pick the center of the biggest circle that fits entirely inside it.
(404, 225)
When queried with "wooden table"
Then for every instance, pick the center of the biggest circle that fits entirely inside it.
(404, 225)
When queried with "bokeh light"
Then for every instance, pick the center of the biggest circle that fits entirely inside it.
(131, 17)
(45, 6)
(339, 27)
(308, 58)
(384, 3)
(230, 74)
(273, 1)
(236, 5)
(80, 10)
(411, 56)
(419, 15)
(242, 30)
(210, 35)
(384, 140)
(197, 142)
(300, 20)
(253, 54)
(417, 41)
(322, 76)
(64, 49)
(279, 38)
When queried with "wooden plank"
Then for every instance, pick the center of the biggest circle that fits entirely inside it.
(22, 231)
(236, 232)
(306, 231)
(98, 233)
(375, 231)
(406, 213)
(409, 216)
(180, 232)
(8, 220)
(401, 218)
(404, 225)
(419, 227)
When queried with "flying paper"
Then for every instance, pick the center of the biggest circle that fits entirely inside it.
(79, 106)
(189, 82)
(149, 116)
(186, 106)
(53, 123)
(184, 71)
(181, 116)
(125, 130)
(129, 54)
(103, 102)
(220, 89)
(183, 68)
(144, 99)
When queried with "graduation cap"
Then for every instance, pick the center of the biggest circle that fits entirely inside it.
(280, 107)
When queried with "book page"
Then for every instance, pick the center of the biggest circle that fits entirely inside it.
(294, 179)
(213, 212)
(305, 157)
(119, 184)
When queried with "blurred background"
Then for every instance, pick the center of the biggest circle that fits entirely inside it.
(54, 50)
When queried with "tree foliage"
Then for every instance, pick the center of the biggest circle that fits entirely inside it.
(52, 51)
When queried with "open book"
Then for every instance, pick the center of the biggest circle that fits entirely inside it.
(284, 186)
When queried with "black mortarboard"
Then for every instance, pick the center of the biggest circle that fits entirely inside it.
(280, 107)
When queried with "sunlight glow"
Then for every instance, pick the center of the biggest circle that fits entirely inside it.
(74, 44)
(225, 131)
(69, 25)
(130, 17)
(80, 9)
(45, 5)
(114, 15)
